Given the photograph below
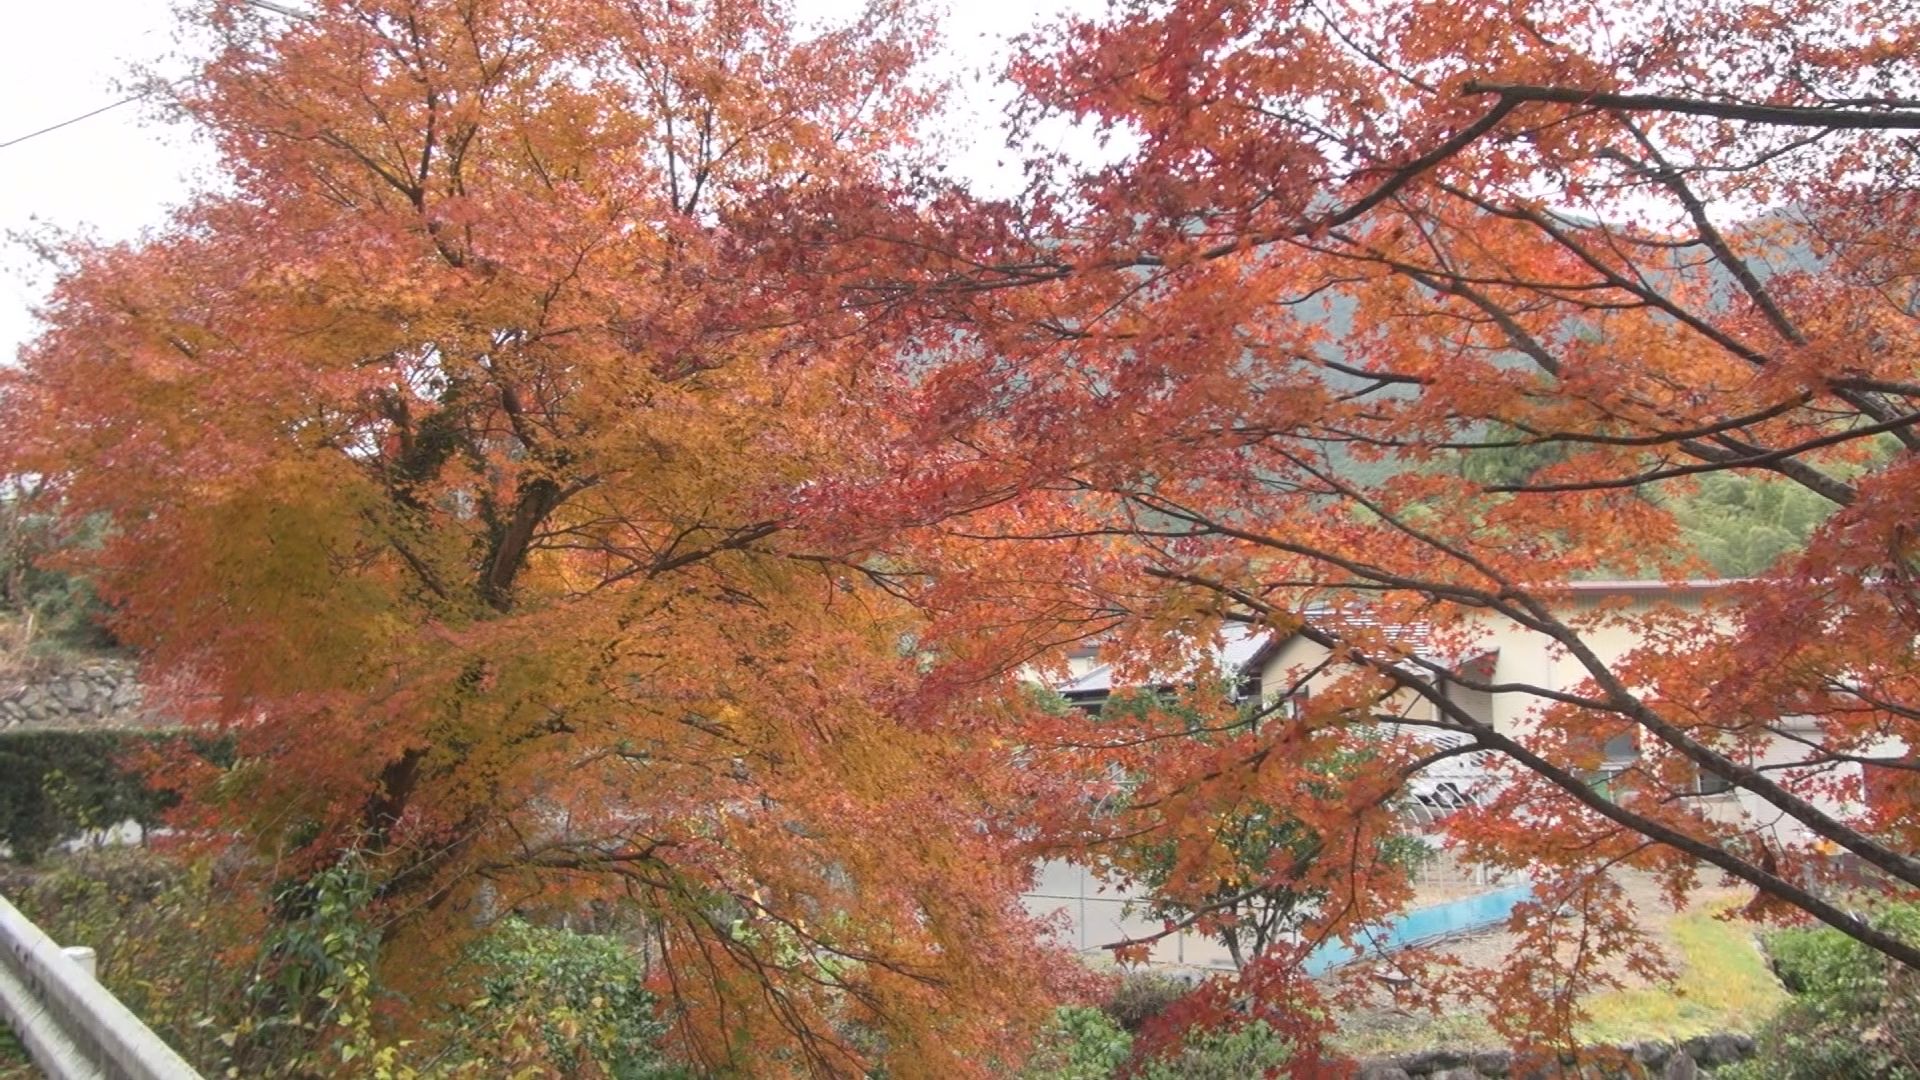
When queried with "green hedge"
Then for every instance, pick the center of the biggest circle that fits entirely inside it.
(57, 784)
(1854, 1014)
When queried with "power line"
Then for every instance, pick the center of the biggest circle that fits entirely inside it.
(280, 9)
(75, 119)
(263, 5)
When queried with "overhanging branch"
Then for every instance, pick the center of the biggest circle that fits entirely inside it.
(1867, 119)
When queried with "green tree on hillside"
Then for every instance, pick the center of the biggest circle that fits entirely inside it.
(1744, 525)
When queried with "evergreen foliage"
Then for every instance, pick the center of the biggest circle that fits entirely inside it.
(57, 784)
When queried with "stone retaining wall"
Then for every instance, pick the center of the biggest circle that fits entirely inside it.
(1685, 1060)
(94, 693)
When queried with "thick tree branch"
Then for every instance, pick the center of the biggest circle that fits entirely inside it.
(1893, 118)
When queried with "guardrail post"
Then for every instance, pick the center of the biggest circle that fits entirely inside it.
(85, 959)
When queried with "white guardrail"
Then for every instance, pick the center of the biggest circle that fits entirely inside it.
(72, 1027)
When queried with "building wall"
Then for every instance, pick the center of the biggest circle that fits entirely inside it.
(1523, 655)
(1610, 618)
(1528, 657)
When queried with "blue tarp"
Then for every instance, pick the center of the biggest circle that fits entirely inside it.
(1469, 913)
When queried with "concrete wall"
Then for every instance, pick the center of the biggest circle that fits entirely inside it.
(1091, 915)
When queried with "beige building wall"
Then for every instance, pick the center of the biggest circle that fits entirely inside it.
(1610, 618)
(1522, 656)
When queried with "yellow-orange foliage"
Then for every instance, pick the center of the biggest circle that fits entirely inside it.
(461, 452)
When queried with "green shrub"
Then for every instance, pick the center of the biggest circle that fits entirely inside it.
(13, 1057)
(567, 1001)
(537, 1001)
(1080, 1044)
(1854, 1013)
(1829, 965)
(1243, 1053)
(1087, 1044)
(56, 784)
(177, 947)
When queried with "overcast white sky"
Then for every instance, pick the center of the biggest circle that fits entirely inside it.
(117, 173)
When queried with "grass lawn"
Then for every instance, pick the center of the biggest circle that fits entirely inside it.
(1721, 984)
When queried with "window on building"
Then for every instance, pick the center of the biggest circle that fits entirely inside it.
(1247, 689)
(1706, 782)
(1292, 708)
(1621, 748)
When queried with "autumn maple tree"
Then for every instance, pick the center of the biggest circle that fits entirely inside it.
(459, 456)
(1343, 257)
(579, 455)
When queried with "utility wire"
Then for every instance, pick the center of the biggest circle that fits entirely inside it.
(280, 9)
(74, 119)
(264, 5)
